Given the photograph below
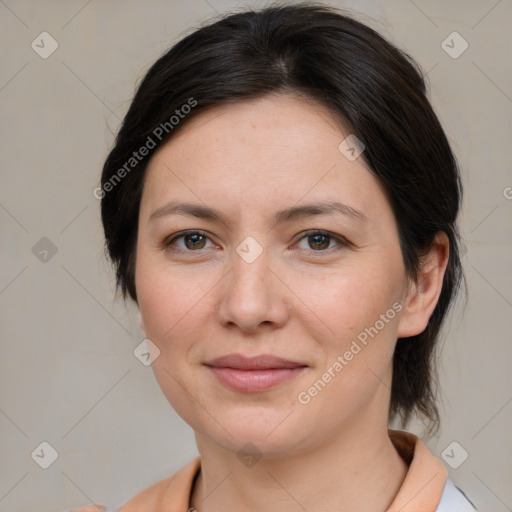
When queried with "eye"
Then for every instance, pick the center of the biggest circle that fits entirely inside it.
(195, 240)
(192, 240)
(319, 241)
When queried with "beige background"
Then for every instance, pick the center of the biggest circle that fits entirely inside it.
(68, 373)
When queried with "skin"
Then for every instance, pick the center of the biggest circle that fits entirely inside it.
(303, 298)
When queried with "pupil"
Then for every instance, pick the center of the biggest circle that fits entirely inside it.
(195, 239)
(317, 239)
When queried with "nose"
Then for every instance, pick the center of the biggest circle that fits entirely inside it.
(252, 295)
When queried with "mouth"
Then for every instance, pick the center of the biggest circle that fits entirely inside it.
(253, 374)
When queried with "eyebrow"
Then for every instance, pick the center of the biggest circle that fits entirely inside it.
(280, 217)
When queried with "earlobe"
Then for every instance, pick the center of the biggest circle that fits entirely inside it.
(423, 295)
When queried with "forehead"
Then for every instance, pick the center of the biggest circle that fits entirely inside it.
(283, 124)
(259, 153)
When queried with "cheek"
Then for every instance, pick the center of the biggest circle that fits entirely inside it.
(171, 308)
(348, 302)
(172, 303)
(361, 309)
(158, 299)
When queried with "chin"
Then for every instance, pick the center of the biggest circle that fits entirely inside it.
(272, 435)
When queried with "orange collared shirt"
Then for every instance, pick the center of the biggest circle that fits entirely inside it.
(421, 490)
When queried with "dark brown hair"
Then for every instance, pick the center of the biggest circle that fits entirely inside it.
(375, 90)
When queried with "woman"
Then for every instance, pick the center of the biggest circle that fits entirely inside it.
(281, 204)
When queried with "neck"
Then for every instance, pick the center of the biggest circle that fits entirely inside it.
(356, 471)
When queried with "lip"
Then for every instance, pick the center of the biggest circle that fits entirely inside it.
(261, 362)
(253, 374)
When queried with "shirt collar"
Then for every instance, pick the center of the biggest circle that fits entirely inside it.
(423, 485)
(421, 489)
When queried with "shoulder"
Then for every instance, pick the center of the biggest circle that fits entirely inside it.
(173, 491)
(150, 499)
(454, 499)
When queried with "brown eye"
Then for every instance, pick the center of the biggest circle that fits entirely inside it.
(192, 241)
(319, 241)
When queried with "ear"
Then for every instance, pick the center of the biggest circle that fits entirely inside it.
(423, 295)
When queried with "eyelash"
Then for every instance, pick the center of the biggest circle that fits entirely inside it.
(342, 242)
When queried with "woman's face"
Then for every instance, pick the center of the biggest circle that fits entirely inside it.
(258, 279)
